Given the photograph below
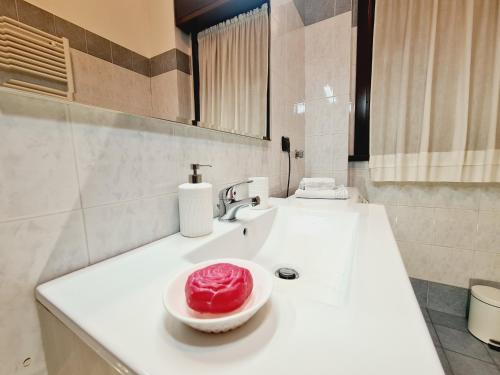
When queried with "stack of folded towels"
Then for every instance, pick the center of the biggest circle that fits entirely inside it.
(321, 188)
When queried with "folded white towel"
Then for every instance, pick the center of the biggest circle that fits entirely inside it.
(340, 193)
(317, 184)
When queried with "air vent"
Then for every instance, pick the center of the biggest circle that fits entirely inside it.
(34, 61)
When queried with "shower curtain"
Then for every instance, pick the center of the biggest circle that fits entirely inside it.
(233, 60)
(435, 91)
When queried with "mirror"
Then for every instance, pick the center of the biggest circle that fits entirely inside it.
(198, 62)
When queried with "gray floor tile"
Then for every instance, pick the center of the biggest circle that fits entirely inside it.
(420, 288)
(434, 335)
(448, 320)
(494, 355)
(444, 361)
(462, 342)
(448, 299)
(462, 365)
(425, 313)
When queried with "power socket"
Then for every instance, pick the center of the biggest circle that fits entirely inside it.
(285, 144)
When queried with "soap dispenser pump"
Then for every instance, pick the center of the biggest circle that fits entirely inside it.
(195, 205)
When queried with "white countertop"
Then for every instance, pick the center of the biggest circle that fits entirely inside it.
(116, 307)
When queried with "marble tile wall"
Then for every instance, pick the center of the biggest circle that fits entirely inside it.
(447, 233)
(327, 71)
(80, 184)
(287, 87)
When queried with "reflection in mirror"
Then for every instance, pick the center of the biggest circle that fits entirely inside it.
(233, 74)
(202, 63)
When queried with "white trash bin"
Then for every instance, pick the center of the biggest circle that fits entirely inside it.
(484, 314)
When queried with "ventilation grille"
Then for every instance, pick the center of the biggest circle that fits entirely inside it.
(34, 61)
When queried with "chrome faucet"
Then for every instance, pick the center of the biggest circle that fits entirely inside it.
(229, 206)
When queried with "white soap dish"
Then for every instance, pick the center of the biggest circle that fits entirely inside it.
(174, 299)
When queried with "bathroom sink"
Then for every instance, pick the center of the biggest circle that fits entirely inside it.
(319, 245)
(350, 311)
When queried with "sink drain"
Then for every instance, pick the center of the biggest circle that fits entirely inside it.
(287, 273)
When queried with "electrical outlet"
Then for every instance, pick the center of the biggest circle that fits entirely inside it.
(285, 144)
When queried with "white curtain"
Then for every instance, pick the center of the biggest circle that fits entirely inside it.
(436, 91)
(233, 59)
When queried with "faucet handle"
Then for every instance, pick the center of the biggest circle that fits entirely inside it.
(229, 192)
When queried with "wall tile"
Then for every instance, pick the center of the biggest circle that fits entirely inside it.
(325, 117)
(8, 8)
(74, 33)
(164, 93)
(36, 17)
(98, 46)
(381, 193)
(340, 154)
(122, 157)
(417, 194)
(131, 92)
(124, 91)
(414, 258)
(37, 158)
(488, 234)
(183, 61)
(121, 56)
(489, 198)
(486, 266)
(115, 229)
(185, 95)
(415, 224)
(462, 196)
(466, 238)
(454, 228)
(320, 153)
(164, 62)
(33, 251)
(440, 264)
(141, 64)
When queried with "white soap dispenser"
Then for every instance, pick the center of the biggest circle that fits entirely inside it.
(195, 205)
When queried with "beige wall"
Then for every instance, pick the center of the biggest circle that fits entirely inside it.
(146, 27)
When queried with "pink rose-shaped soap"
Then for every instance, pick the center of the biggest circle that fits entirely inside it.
(218, 288)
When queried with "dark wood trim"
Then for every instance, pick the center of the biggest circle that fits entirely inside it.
(268, 114)
(359, 157)
(196, 77)
(200, 11)
(364, 53)
(192, 16)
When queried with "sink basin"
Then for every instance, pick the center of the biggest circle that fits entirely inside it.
(351, 311)
(319, 244)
